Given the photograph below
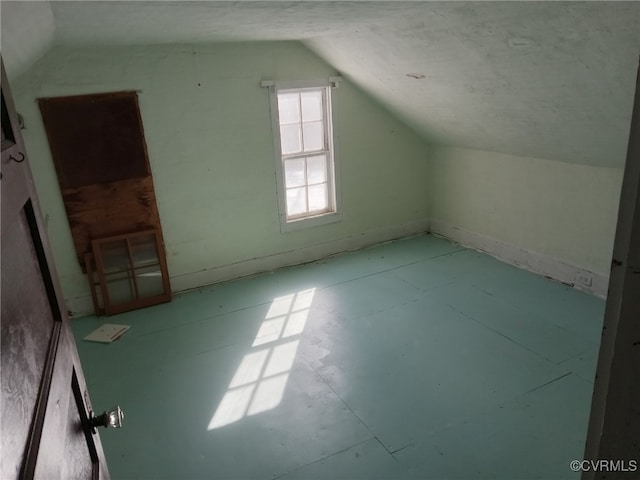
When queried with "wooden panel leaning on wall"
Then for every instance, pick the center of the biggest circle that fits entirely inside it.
(100, 155)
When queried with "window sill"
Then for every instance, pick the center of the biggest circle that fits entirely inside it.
(309, 222)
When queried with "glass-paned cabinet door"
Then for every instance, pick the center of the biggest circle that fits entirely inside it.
(131, 271)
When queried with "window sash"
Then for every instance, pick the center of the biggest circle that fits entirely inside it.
(307, 184)
(327, 196)
(301, 123)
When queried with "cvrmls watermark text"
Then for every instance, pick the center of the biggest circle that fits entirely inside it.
(604, 465)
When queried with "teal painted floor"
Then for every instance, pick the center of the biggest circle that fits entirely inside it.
(417, 359)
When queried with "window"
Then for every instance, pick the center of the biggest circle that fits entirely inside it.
(303, 141)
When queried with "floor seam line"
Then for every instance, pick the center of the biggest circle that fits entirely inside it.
(497, 332)
(412, 444)
(386, 449)
(324, 380)
(390, 269)
(545, 384)
(575, 356)
(323, 458)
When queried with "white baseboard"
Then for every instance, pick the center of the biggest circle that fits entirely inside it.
(79, 306)
(179, 283)
(297, 256)
(527, 259)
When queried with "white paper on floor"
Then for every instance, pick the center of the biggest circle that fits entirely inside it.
(107, 333)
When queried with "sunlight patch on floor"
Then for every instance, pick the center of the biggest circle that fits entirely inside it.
(261, 378)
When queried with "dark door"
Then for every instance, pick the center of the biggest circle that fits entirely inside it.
(45, 431)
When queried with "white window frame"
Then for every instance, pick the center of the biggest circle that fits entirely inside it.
(312, 219)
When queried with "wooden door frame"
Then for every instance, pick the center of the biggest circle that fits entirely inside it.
(614, 424)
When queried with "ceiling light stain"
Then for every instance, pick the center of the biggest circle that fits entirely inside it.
(417, 76)
(518, 42)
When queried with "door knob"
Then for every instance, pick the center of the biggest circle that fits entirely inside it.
(112, 418)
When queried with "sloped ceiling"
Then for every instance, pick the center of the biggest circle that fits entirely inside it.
(541, 79)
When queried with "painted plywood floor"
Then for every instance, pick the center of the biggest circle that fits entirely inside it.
(417, 359)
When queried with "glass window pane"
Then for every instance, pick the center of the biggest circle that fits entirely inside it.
(318, 197)
(296, 201)
(144, 250)
(313, 136)
(316, 169)
(115, 255)
(294, 172)
(290, 139)
(120, 288)
(311, 106)
(289, 108)
(149, 280)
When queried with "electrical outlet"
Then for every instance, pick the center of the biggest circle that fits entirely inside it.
(583, 278)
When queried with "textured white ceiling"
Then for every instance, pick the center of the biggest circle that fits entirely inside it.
(542, 79)
(27, 33)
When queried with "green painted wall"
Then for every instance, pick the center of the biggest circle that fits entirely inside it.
(208, 131)
(562, 210)
(207, 126)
